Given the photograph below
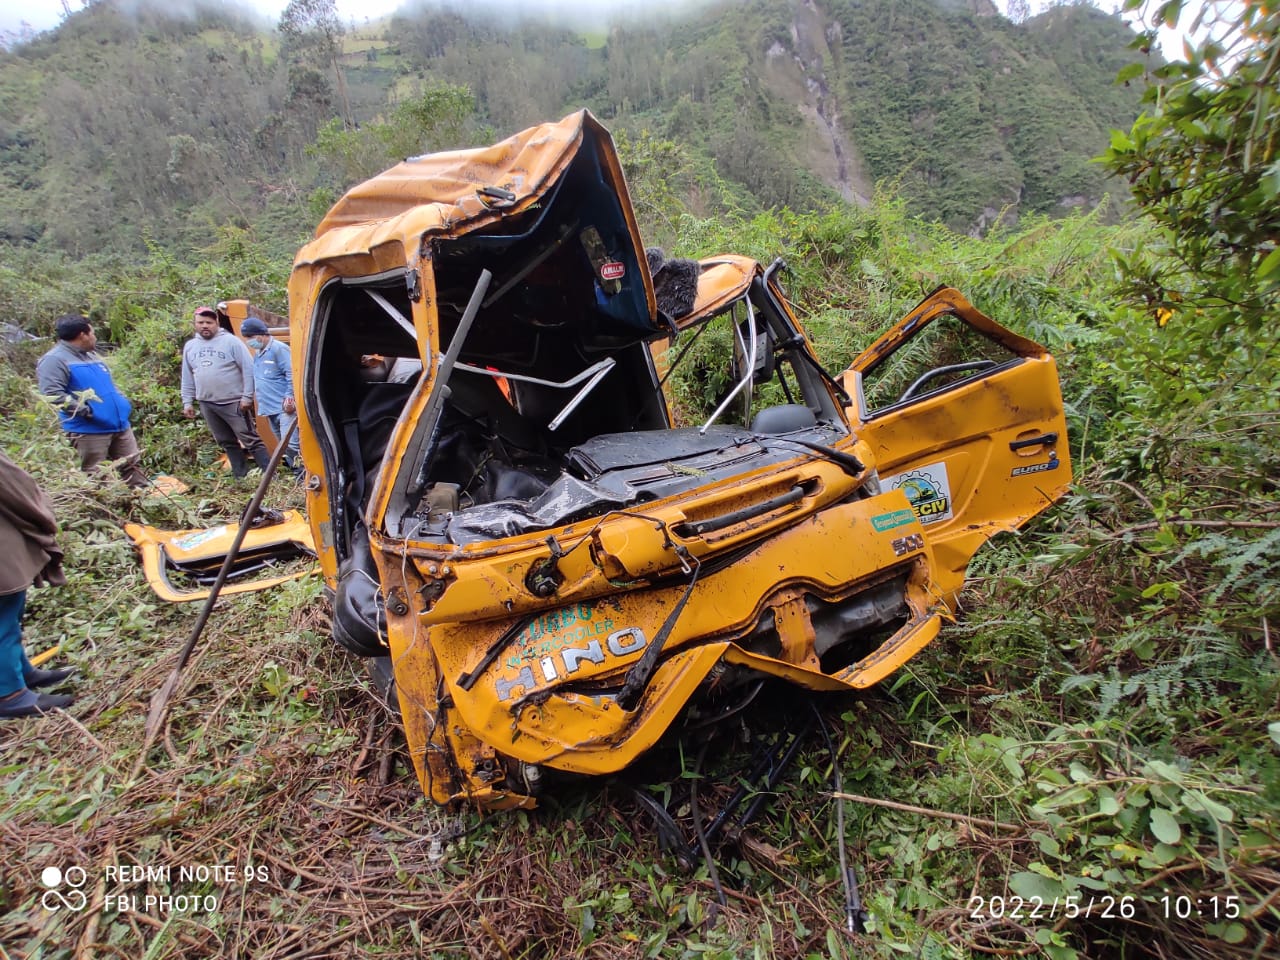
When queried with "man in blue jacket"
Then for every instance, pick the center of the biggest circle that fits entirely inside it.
(273, 380)
(93, 411)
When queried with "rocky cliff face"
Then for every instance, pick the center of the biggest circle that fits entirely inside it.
(815, 44)
(976, 119)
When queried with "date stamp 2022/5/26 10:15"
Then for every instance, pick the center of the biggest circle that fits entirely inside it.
(1167, 906)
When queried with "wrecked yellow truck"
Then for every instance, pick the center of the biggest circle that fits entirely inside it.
(548, 570)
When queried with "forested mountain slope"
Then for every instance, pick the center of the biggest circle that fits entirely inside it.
(120, 126)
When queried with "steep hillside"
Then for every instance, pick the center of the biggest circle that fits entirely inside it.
(143, 124)
(802, 100)
(122, 127)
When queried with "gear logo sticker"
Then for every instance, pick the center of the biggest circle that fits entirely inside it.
(928, 491)
(64, 891)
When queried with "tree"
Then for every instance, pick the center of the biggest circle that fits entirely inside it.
(436, 119)
(1019, 10)
(312, 33)
(1204, 164)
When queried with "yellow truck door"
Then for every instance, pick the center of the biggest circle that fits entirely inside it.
(967, 419)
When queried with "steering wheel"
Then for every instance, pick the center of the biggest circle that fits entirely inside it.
(928, 375)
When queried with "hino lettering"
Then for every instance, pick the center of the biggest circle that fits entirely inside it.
(569, 660)
(543, 648)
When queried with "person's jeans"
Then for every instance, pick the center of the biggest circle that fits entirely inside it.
(281, 422)
(14, 665)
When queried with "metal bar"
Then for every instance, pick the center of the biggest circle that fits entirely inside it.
(603, 366)
(434, 408)
(393, 313)
(750, 367)
(578, 397)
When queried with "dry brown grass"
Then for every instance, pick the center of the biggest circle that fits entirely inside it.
(311, 784)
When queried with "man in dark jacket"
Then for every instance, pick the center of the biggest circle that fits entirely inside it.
(29, 555)
(94, 413)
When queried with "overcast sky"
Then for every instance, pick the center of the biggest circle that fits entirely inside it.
(43, 14)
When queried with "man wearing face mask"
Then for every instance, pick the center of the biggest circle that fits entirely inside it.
(273, 380)
(217, 371)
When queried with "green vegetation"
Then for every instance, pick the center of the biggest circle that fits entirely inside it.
(130, 125)
(1100, 729)
(437, 118)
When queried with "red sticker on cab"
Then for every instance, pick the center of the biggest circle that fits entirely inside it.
(612, 270)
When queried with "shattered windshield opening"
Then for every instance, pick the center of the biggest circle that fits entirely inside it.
(555, 354)
(747, 364)
(524, 452)
(547, 407)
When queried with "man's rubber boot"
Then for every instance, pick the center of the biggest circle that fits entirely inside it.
(46, 678)
(236, 457)
(28, 703)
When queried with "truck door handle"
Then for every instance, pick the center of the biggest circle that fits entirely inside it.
(1033, 441)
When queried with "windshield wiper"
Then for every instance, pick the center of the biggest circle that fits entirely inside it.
(845, 461)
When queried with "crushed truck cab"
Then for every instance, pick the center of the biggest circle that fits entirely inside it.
(556, 568)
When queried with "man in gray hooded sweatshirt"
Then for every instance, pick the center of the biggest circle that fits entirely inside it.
(217, 371)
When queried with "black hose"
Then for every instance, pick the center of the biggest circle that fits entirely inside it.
(707, 858)
(855, 916)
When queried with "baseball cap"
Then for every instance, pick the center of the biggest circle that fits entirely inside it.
(252, 327)
(206, 312)
(70, 326)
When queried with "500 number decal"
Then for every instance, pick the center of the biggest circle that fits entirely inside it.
(909, 544)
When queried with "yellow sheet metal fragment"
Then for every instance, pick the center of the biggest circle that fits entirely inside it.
(163, 549)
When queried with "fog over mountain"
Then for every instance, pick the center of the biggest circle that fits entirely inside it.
(147, 113)
(587, 14)
(45, 14)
